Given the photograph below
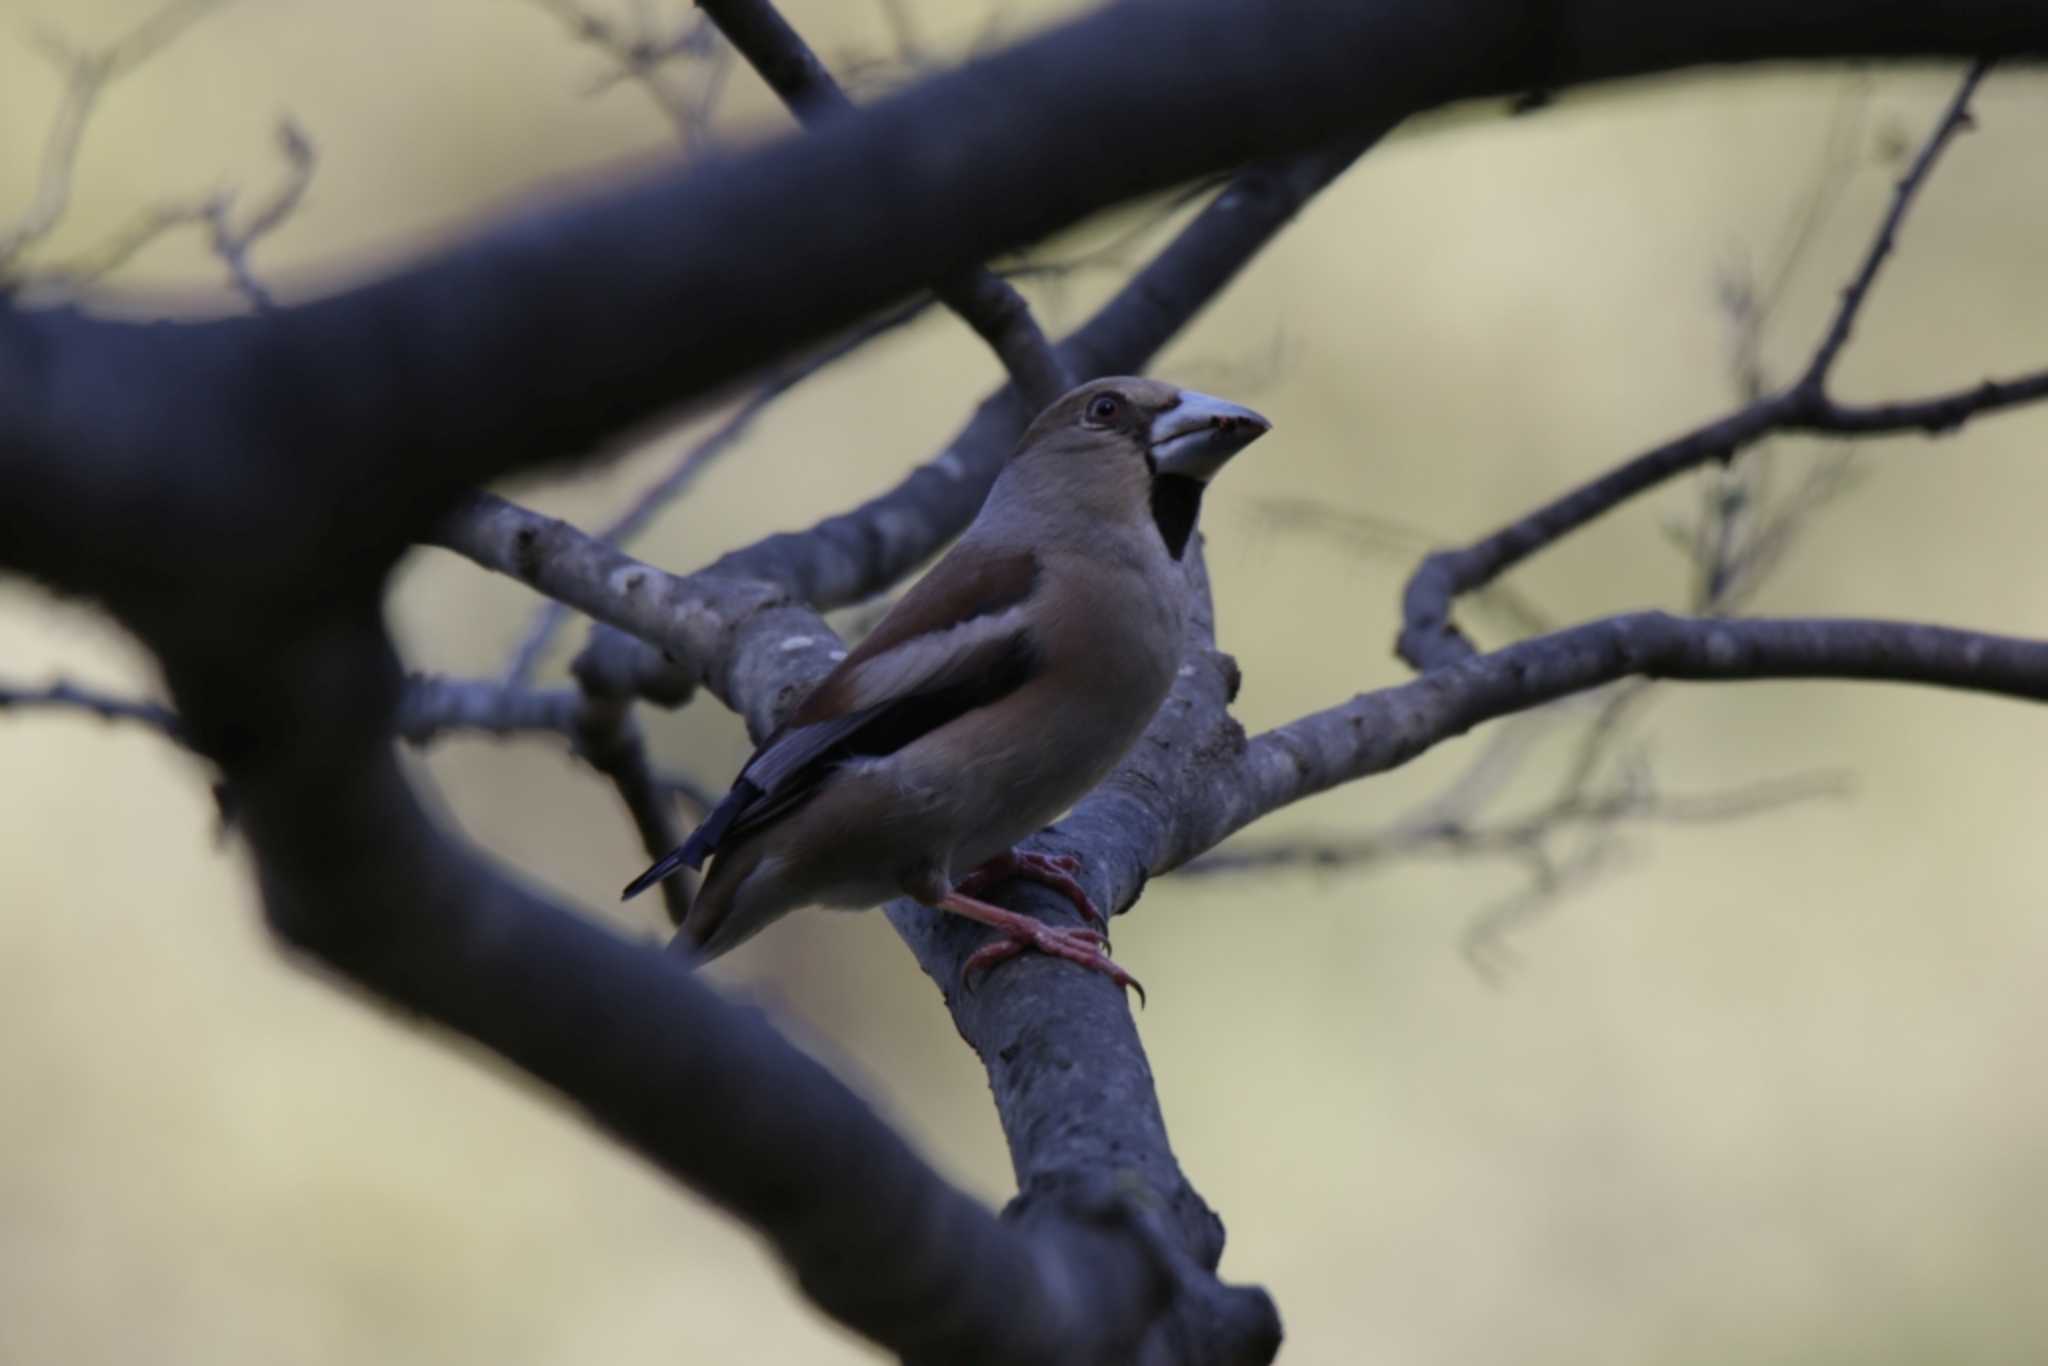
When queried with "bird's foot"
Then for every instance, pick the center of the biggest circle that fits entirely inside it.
(1052, 870)
(1087, 948)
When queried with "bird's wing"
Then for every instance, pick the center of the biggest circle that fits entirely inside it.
(960, 639)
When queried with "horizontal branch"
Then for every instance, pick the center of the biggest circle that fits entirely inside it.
(1430, 639)
(64, 695)
(1380, 730)
(1521, 836)
(554, 333)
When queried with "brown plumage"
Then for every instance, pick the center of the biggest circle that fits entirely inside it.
(994, 694)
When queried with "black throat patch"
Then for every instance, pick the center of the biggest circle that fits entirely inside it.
(1175, 501)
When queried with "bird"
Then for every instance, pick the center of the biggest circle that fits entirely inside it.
(995, 693)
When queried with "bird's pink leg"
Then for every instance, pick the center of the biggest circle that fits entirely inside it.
(1085, 947)
(1053, 870)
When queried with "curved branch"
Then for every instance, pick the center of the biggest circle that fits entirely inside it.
(995, 310)
(1380, 730)
(355, 872)
(1430, 639)
(856, 554)
(559, 330)
(275, 468)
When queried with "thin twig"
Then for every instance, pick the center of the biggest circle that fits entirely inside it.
(1431, 639)
(995, 310)
(1626, 804)
(1954, 119)
(64, 695)
(232, 243)
(642, 53)
(86, 73)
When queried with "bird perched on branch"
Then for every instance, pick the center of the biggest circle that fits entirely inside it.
(1003, 686)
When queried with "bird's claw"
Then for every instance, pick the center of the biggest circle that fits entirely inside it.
(1088, 948)
(1051, 870)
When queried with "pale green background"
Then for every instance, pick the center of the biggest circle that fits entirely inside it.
(1764, 1092)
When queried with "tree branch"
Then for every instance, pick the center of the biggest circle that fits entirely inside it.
(64, 695)
(1954, 119)
(854, 555)
(86, 74)
(355, 873)
(275, 467)
(558, 331)
(1380, 730)
(693, 461)
(995, 310)
(1429, 637)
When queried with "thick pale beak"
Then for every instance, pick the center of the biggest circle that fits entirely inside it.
(1195, 436)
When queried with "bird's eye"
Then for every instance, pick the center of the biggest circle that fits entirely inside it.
(1103, 409)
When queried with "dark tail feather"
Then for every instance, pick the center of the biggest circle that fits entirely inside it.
(702, 843)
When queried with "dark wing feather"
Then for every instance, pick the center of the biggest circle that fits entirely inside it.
(927, 684)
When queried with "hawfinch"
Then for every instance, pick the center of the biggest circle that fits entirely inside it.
(1003, 686)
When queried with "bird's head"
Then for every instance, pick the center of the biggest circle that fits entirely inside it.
(1132, 448)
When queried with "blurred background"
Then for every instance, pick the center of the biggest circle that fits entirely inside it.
(1763, 1088)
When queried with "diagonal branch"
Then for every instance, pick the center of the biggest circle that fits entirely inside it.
(988, 304)
(1954, 119)
(692, 462)
(354, 872)
(1429, 637)
(849, 557)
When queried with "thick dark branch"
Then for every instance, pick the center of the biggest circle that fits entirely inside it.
(354, 872)
(995, 310)
(854, 555)
(374, 409)
(275, 467)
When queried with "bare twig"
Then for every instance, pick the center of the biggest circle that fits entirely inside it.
(275, 467)
(1632, 802)
(643, 52)
(64, 695)
(1954, 119)
(86, 73)
(1430, 638)
(609, 738)
(995, 310)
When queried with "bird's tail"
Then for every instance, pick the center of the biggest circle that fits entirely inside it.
(702, 843)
